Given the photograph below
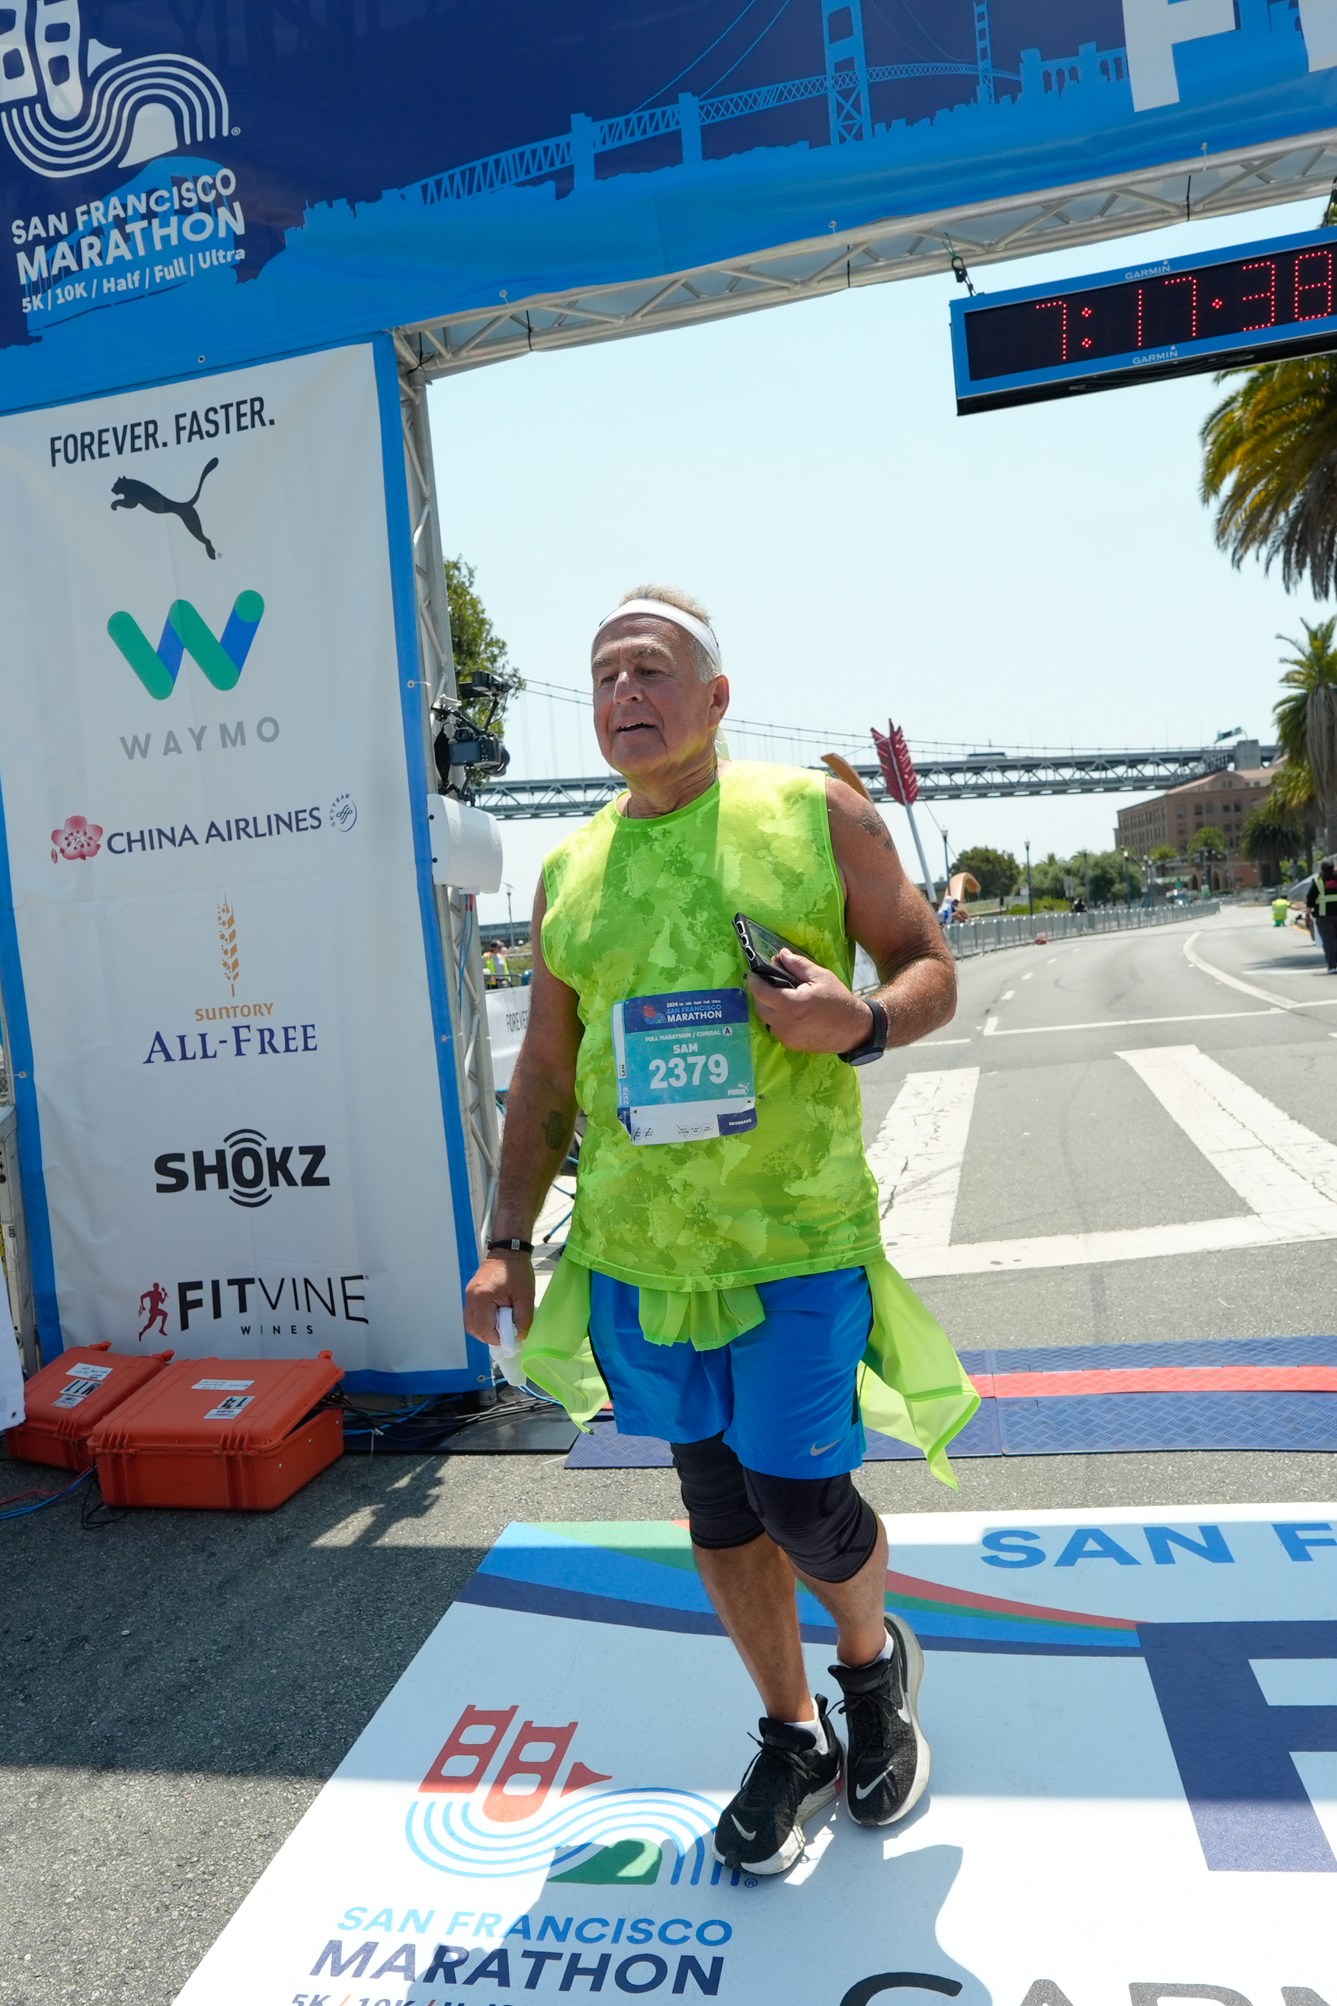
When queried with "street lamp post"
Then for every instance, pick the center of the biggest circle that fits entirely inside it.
(509, 922)
(1127, 878)
(1030, 889)
(946, 865)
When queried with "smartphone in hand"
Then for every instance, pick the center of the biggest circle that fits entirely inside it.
(760, 946)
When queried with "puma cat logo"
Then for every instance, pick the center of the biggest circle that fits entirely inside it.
(138, 494)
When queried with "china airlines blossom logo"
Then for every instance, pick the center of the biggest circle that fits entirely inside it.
(79, 840)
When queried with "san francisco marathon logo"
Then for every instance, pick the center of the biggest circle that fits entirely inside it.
(71, 105)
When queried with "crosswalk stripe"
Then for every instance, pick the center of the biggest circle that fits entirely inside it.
(917, 1155)
(1280, 1169)
(1284, 1172)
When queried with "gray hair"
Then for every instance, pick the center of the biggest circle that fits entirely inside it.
(706, 669)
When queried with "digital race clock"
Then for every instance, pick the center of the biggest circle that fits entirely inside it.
(1175, 318)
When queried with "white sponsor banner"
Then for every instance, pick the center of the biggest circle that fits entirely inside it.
(507, 1022)
(1133, 1722)
(216, 891)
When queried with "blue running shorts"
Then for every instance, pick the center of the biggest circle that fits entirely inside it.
(784, 1395)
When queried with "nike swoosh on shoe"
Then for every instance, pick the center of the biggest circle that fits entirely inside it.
(741, 1828)
(862, 1790)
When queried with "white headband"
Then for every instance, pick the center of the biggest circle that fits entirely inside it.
(662, 610)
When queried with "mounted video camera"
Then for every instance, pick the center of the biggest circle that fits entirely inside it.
(465, 747)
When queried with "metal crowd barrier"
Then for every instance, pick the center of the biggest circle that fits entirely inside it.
(982, 936)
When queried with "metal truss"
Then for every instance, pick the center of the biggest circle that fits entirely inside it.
(978, 779)
(898, 248)
(460, 941)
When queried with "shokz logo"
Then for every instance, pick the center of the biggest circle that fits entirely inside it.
(248, 1168)
(221, 661)
(70, 105)
(503, 1800)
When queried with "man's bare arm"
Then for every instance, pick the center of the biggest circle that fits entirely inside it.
(892, 921)
(540, 1120)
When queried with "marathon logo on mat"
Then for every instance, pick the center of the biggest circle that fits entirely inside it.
(248, 1169)
(505, 1798)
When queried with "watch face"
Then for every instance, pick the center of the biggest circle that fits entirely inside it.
(865, 1058)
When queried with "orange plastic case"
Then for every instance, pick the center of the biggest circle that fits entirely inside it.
(222, 1434)
(67, 1399)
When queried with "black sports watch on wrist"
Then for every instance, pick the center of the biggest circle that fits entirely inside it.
(875, 1044)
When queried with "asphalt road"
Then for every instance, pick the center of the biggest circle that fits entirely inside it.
(177, 1686)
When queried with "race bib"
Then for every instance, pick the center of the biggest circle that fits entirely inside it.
(684, 1066)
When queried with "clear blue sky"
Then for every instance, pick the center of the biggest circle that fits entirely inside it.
(1037, 577)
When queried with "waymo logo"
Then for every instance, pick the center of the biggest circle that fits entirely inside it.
(220, 660)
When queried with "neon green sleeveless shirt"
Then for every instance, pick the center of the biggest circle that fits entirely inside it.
(645, 907)
(641, 908)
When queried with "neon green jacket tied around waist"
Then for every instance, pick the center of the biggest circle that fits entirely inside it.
(643, 908)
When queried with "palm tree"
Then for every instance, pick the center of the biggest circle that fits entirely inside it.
(1270, 463)
(1306, 720)
(1270, 835)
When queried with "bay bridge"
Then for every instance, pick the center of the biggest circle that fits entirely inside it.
(846, 83)
(975, 776)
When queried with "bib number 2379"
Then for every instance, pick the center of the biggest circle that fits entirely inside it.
(684, 1066)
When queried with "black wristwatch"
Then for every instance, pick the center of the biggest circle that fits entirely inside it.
(875, 1044)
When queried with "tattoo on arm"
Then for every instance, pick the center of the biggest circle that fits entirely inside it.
(554, 1129)
(872, 825)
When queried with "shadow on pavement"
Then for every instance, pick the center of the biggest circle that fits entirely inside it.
(226, 1642)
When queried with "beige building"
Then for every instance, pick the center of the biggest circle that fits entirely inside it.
(1220, 800)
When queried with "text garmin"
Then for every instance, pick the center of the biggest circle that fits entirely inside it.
(257, 1298)
(248, 1169)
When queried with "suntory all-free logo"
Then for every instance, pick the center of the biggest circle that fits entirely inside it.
(220, 659)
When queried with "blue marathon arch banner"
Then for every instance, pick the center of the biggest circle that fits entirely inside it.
(192, 187)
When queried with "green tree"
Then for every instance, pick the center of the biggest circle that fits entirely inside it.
(1270, 836)
(1306, 720)
(1112, 879)
(1047, 876)
(1270, 465)
(1207, 846)
(477, 647)
(996, 870)
(1163, 853)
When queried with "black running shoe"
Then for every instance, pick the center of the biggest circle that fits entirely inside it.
(888, 1755)
(788, 1779)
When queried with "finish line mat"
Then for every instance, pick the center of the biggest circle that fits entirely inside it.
(1133, 1717)
(1083, 1399)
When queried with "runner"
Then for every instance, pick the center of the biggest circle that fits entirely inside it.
(724, 1275)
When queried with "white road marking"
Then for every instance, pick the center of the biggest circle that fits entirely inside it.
(991, 1027)
(1118, 1023)
(1284, 1172)
(1252, 988)
(917, 1155)
(1279, 1168)
(1027, 976)
(1072, 1250)
(1007, 996)
(936, 1044)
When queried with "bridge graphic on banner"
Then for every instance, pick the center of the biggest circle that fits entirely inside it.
(847, 84)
